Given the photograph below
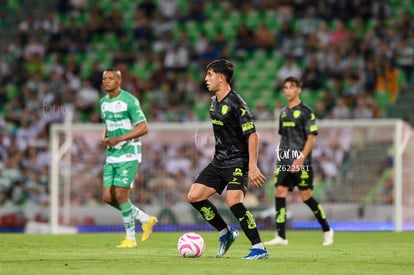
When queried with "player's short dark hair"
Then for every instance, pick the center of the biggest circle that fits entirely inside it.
(222, 66)
(295, 80)
(115, 70)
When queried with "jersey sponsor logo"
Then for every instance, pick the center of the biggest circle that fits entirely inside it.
(288, 124)
(217, 122)
(118, 116)
(296, 113)
(224, 109)
(115, 125)
(247, 126)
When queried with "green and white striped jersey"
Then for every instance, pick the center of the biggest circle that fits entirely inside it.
(120, 115)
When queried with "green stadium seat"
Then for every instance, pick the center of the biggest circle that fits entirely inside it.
(271, 20)
(235, 18)
(260, 57)
(252, 19)
(210, 29)
(11, 91)
(201, 110)
(14, 4)
(193, 29)
(229, 29)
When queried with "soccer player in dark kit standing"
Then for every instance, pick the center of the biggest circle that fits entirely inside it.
(297, 127)
(234, 164)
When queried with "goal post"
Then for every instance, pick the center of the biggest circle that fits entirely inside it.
(352, 161)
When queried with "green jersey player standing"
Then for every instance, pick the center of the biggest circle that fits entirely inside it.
(125, 123)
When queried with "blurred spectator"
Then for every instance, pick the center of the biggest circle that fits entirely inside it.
(162, 24)
(164, 188)
(264, 38)
(261, 112)
(362, 110)
(176, 58)
(289, 68)
(113, 22)
(87, 98)
(33, 49)
(320, 109)
(405, 56)
(381, 9)
(245, 38)
(96, 21)
(312, 76)
(169, 9)
(341, 110)
(147, 8)
(195, 12)
(387, 79)
(142, 29)
(308, 23)
(125, 51)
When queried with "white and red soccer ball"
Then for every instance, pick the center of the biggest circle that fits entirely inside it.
(191, 245)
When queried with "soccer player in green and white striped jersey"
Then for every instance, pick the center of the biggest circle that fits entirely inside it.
(125, 123)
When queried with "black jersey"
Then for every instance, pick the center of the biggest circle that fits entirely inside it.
(232, 125)
(294, 127)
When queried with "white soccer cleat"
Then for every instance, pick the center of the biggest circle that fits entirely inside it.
(328, 237)
(277, 241)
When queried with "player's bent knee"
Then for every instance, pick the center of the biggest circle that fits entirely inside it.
(191, 198)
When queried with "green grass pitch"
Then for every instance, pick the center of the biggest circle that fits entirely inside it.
(95, 253)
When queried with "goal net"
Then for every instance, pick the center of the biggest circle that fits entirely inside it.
(363, 176)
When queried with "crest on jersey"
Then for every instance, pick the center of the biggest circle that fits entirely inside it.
(118, 106)
(224, 109)
(296, 113)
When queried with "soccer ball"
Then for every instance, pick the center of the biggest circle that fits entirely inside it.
(191, 245)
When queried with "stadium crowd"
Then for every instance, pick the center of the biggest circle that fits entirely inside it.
(353, 57)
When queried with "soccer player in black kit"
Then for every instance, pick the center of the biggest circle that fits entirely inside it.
(297, 127)
(234, 164)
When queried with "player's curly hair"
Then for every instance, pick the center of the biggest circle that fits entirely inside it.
(222, 66)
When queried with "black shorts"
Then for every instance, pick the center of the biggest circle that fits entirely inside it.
(302, 179)
(234, 178)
